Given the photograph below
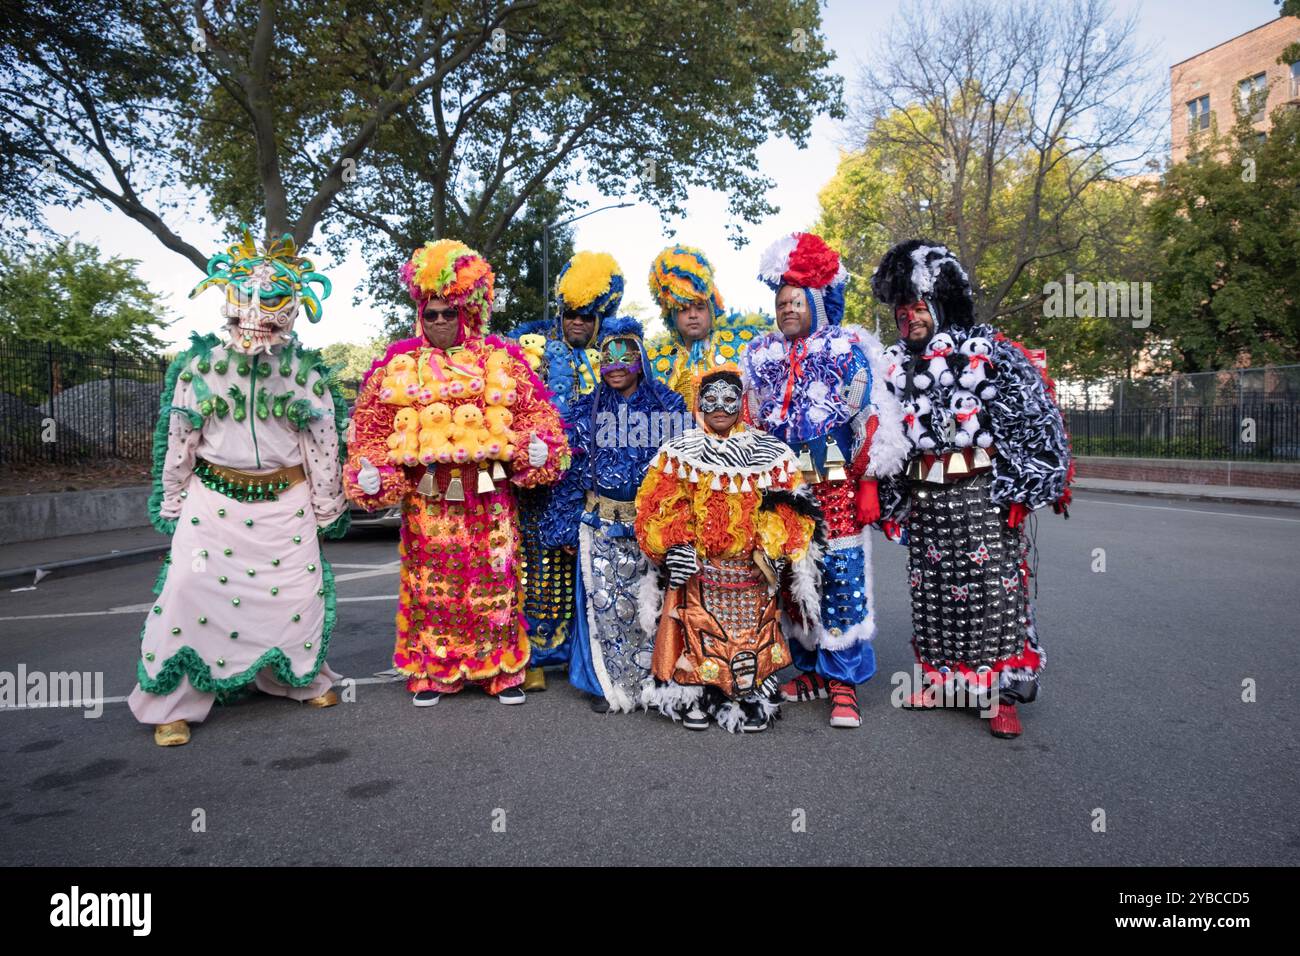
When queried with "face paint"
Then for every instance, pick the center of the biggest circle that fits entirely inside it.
(621, 354)
(720, 397)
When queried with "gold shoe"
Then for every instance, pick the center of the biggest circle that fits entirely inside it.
(172, 734)
(534, 679)
(327, 699)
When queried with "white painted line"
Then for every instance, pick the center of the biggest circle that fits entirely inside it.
(1194, 511)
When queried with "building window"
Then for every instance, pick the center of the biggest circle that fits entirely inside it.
(1198, 113)
(1295, 79)
(1253, 92)
(1260, 138)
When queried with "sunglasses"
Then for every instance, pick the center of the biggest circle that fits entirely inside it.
(440, 313)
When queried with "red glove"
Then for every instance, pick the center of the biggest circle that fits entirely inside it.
(868, 502)
(892, 529)
(1016, 516)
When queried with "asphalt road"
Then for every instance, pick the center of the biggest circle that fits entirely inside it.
(1141, 717)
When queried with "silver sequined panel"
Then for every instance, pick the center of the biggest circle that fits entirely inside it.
(617, 567)
(968, 599)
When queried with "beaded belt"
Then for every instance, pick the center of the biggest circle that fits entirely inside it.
(247, 485)
(949, 467)
(611, 509)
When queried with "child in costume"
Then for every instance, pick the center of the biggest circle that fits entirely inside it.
(725, 510)
(815, 385)
(247, 477)
(614, 433)
(447, 423)
(587, 292)
(700, 335)
(988, 448)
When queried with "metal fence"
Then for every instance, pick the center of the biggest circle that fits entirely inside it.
(1272, 384)
(1250, 432)
(60, 405)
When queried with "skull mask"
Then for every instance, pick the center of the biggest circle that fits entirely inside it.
(265, 290)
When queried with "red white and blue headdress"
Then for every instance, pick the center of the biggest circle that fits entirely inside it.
(804, 260)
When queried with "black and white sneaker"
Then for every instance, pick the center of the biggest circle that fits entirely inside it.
(426, 698)
(511, 695)
(755, 724)
(695, 719)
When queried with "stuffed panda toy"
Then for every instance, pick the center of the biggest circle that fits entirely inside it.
(896, 368)
(977, 368)
(969, 418)
(938, 356)
(916, 416)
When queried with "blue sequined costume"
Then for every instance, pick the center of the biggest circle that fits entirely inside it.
(613, 438)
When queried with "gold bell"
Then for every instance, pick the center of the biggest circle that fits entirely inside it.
(834, 462)
(809, 470)
(498, 472)
(485, 485)
(455, 487)
(427, 486)
(957, 464)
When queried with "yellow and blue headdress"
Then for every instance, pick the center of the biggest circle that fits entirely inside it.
(275, 280)
(681, 275)
(591, 283)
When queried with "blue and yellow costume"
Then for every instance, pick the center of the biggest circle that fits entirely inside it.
(590, 283)
(679, 276)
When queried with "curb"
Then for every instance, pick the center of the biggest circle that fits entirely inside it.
(1228, 499)
(92, 563)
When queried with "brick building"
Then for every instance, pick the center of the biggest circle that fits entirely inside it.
(1204, 86)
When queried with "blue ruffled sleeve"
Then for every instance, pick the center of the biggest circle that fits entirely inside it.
(559, 522)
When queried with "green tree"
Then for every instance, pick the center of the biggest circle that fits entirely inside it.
(394, 125)
(888, 191)
(1227, 230)
(66, 294)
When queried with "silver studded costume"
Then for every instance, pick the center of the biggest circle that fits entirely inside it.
(988, 447)
(968, 577)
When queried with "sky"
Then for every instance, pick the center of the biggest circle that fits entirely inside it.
(1173, 29)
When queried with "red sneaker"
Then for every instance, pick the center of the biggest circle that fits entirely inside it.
(805, 687)
(844, 705)
(1005, 723)
(922, 700)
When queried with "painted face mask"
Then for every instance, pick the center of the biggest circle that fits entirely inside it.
(720, 397)
(620, 355)
(265, 291)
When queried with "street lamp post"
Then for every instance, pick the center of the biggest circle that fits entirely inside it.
(546, 251)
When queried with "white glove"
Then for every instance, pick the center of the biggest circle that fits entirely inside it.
(368, 477)
(537, 452)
